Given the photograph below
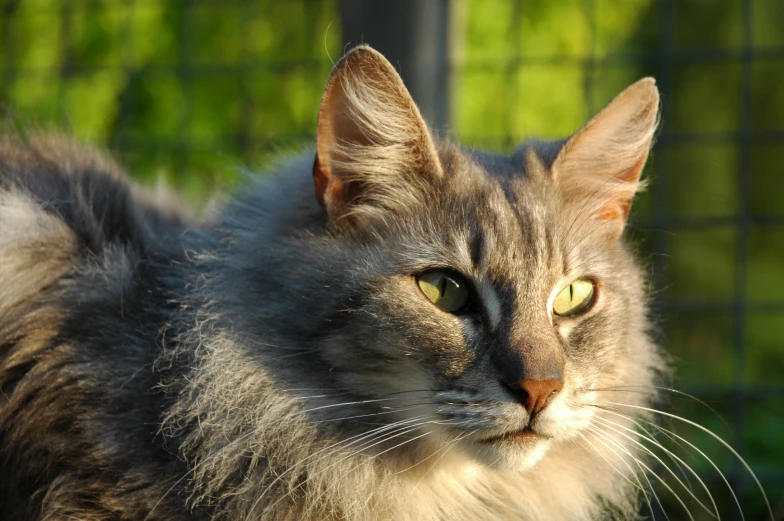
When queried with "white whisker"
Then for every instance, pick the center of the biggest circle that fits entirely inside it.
(720, 440)
(358, 451)
(402, 428)
(252, 432)
(609, 424)
(637, 485)
(445, 449)
(643, 468)
(671, 454)
(338, 446)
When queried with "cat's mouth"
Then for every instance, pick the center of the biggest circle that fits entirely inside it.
(524, 435)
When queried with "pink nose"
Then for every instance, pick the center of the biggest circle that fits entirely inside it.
(538, 393)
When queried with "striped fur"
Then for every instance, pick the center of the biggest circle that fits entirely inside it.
(279, 362)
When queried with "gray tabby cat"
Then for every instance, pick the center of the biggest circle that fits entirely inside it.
(437, 334)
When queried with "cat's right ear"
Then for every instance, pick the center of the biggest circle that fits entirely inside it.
(372, 141)
(598, 169)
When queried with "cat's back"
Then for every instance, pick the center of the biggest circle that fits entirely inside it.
(82, 301)
(66, 211)
(50, 178)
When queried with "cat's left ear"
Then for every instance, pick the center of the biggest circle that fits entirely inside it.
(599, 167)
(373, 146)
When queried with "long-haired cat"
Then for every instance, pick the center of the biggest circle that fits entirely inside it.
(435, 334)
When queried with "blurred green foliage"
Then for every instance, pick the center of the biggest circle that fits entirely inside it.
(183, 90)
(189, 91)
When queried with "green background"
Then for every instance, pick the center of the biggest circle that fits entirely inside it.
(188, 93)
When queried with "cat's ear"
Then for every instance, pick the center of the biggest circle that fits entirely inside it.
(599, 167)
(371, 136)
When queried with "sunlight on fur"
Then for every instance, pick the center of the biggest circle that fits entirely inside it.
(280, 360)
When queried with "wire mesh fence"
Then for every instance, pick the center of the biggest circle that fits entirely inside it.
(188, 90)
(180, 88)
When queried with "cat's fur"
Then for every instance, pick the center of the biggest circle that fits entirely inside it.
(152, 367)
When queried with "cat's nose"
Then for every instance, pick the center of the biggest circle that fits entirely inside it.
(535, 395)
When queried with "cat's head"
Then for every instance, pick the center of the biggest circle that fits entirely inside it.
(492, 296)
(435, 293)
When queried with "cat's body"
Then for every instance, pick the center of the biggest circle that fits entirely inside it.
(81, 307)
(280, 362)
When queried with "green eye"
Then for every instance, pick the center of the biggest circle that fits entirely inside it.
(445, 289)
(574, 299)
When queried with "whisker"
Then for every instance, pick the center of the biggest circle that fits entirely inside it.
(385, 412)
(638, 485)
(670, 436)
(253, 432)
(446, 449)
(292, 355)
(701, 453)
(337, 446)
(650, 470)
(606, 422)
(669, 390)
(383, 440)
(383, 452)
(717, 438)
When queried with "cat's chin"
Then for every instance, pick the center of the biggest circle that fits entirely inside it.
(510, 454)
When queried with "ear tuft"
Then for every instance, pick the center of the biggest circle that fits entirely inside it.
(371, 136)
(599, 167)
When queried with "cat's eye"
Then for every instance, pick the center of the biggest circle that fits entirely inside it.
(446, 289)
(575, 298)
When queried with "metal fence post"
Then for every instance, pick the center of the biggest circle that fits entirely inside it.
(414, 36)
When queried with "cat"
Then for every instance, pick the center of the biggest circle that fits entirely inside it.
(388, 327)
